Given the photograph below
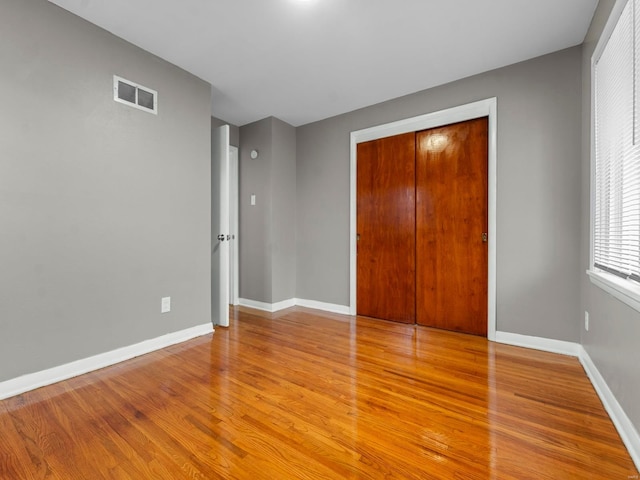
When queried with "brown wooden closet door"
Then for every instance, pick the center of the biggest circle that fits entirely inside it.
(386, 228)
(451, 216)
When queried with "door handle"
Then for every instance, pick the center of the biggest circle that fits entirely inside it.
(221, 237)
(485, 238)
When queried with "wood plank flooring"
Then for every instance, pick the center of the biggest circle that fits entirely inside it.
(307, 395)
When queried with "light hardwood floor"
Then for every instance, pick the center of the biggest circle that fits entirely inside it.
(306, 395)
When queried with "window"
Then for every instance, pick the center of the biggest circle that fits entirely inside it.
(135, 95)
(616, 154)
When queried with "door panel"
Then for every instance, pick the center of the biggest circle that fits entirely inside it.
(220, 226)
(386, 228)
(451, 217)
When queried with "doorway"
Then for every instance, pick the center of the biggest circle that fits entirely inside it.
(234, 222)
(422, 227)
(485, 108)
(224, 226)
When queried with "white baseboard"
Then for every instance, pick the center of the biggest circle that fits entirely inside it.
(31, 381)
(267, 307)
(284, 304)
(625, 428)
(327, 307)
(276, 307)
(538, 343)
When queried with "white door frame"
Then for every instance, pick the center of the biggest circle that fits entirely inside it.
(482, 108)
(234, 222)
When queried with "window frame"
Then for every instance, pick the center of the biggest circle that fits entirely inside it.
(625, 290)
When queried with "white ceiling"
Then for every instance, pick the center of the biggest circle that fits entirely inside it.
(305, 60)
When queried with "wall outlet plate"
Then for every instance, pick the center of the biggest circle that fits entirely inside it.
(586, 321)
(165, 305)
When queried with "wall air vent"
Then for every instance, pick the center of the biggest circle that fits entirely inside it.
(134, 95)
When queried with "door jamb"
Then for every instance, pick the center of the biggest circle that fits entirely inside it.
(234, 207)
(482, 108)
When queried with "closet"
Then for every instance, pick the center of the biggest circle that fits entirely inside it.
(422, 227)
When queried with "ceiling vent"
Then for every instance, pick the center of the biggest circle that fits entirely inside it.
(134, 95)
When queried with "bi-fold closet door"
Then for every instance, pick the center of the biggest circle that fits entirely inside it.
(422, 227)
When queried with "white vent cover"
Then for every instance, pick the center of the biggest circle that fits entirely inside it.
(134, 95)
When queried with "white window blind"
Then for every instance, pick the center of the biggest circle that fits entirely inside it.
(616, 242)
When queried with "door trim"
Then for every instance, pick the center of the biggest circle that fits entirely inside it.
(482, 108)
(234, 204)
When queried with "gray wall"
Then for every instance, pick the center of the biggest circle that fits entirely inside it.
(283, 214)
(538, 217)
(234, 130)
(267, 229)
(255, 221)
(104, 208)
(613, 339)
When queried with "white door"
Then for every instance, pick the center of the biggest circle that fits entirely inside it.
(220, 234)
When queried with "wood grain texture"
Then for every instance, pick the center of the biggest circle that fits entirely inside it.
(451, 216)
(306, 395)
(386, 228)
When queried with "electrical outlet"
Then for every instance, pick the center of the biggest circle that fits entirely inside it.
(586, 321)
(165, 305)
